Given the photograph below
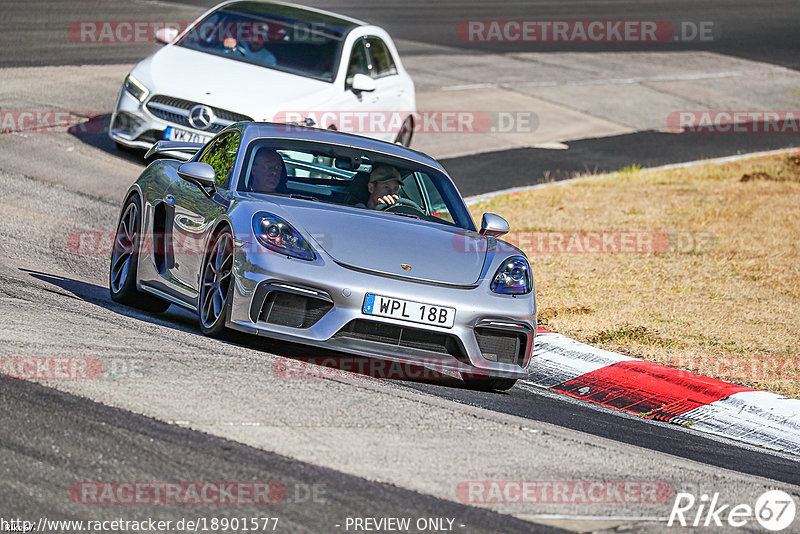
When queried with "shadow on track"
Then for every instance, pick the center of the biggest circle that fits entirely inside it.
(305, 362)
(604, 154)
(94, 133)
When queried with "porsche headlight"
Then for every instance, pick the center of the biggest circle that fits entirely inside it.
(513, 277)
(279, 236)
(136, 88)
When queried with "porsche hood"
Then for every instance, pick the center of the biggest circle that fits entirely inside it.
(385, 243)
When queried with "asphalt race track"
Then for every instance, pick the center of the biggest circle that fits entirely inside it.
(765, 32)
(173, 405)
(144, 448)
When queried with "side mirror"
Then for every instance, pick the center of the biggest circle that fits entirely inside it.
(494, 225)
(198, 173)
(362, 83)
(166, 35)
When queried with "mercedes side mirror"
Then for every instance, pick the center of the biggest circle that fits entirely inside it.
(363, 83)
(166, 35)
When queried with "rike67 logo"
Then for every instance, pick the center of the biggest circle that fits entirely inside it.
(774, 511)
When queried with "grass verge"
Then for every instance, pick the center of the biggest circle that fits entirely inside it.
(696, 268)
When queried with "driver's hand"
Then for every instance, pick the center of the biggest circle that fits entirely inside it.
(229, 43)
(388, 199)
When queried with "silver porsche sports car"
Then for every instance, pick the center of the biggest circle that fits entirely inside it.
(331, 240)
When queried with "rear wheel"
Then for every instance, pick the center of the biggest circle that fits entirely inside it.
(125, 261)
(488, 384)
(216, 284)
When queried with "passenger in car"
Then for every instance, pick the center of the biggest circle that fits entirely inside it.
(255, 46)
(383, 187)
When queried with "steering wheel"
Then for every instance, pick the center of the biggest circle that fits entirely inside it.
(401, 205)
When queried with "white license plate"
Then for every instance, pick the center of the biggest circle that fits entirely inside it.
(408, 310)
(176, 134)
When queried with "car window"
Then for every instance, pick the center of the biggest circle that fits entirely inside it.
(410, 190)
(359, 61)
(381, 58)
(221, 155)
(285, 38)
(341, 175)
(437, 207)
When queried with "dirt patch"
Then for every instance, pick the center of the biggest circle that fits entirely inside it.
(633, 334)
(788, 172)
(551, 313)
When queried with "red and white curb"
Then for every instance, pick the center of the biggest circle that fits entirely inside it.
(664, 393)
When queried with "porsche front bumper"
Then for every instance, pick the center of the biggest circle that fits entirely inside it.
(320, 303)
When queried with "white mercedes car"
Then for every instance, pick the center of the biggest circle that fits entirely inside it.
(266, 61)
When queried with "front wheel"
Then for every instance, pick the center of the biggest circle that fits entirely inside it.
(488, 384)
(125, 261)
(216, 284)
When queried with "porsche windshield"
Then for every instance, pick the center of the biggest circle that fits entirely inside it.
(342, 175)
(281, 37)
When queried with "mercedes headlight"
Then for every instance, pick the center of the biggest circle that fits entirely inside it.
(136, 88)
(279, 236)
(513, 277)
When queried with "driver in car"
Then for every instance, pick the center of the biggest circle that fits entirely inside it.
(253, 47)
(268, 171)
(384, 186)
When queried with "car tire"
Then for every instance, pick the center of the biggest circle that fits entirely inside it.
(125, 261)
(215, 285)
(125, 148)
(406, 133)
(489, 384)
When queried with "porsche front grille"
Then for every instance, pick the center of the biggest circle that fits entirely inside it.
(402, 336)
(296, 311)
(501, 346)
